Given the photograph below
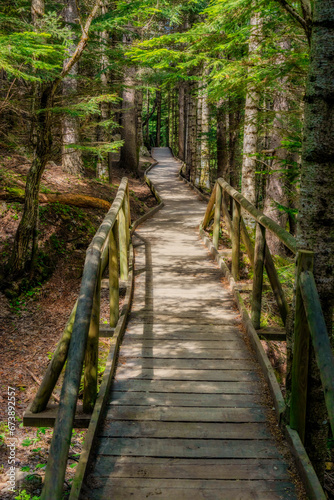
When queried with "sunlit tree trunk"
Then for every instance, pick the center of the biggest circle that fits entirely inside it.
(182, 121)
(71, 157)
(316, 213)
(251, 120)
(199, 136)
(101, 132)
(129, 152)
(222, 152)
(204, 158)
(158, 128)
(276, 193)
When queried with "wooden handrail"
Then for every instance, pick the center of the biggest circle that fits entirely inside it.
(320, 339)
(285, 237)
(309, 319)
(85, 327)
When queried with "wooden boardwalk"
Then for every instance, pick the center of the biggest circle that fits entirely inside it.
(185, 418)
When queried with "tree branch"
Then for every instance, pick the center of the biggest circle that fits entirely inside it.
(79, 48)
(151, 113)
(306, 21)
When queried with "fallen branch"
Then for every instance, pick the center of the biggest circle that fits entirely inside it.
(76, 200)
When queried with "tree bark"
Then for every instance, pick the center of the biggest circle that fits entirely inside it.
(71, 157)
(102, 170)
(276, 180)
(158, 123)
(26, 231)
(129, 152)
(199, 136)
(316, 215)
(222, 152)
(204, 158)
(182, 122)
(251, 125)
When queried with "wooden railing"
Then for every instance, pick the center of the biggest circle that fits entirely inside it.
(79, 343)
(309, 319)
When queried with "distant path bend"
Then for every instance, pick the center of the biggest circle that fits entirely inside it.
(185, 419)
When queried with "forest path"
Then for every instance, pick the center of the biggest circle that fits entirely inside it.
(185, 418)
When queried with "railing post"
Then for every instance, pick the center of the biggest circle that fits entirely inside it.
(216, 223)
(113, 275)
(209, 208)
(260, 245)
(92, 348)
(301, 351)
(123, 241)
(236, 240)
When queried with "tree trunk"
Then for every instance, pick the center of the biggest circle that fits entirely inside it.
(199, 136)
(204, 158)
(139, 106)
(251, 125)
(158, 129)
(182, 121)
(26, 237)
(234, 120)
(102, 135)
(129, 152)
(222, 152)
(316, 215)
(191, 135)
(71, 157)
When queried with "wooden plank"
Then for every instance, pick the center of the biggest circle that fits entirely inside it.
(188, 364)
(47, 417)
(188, 387)
(181, 399)
(187, 448)
(182, 414)
(125, 373)
(184, 430)
(282, 491)
(227, 317)
(190, 469)
(272, 333)
(185, 344)
(161, 352)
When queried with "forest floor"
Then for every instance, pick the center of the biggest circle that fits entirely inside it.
(31, 323)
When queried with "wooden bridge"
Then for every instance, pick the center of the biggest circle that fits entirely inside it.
(188, 413)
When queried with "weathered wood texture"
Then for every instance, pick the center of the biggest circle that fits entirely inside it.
(185, 418)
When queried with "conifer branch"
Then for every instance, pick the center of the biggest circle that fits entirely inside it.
(306, 21)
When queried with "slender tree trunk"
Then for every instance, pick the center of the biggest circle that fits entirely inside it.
(101, 133)
(139, 106)
(182, 121)
(158, 129)
(275, 185)
(222, 151)
(129, 152)
(316, 215)
(234, 120)
(25, 240)
(251, 118)
(191, 135)
(204, 159)
(276, 182)
(71, 157)
(147, 130)
(199, 136)
(42, 153)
